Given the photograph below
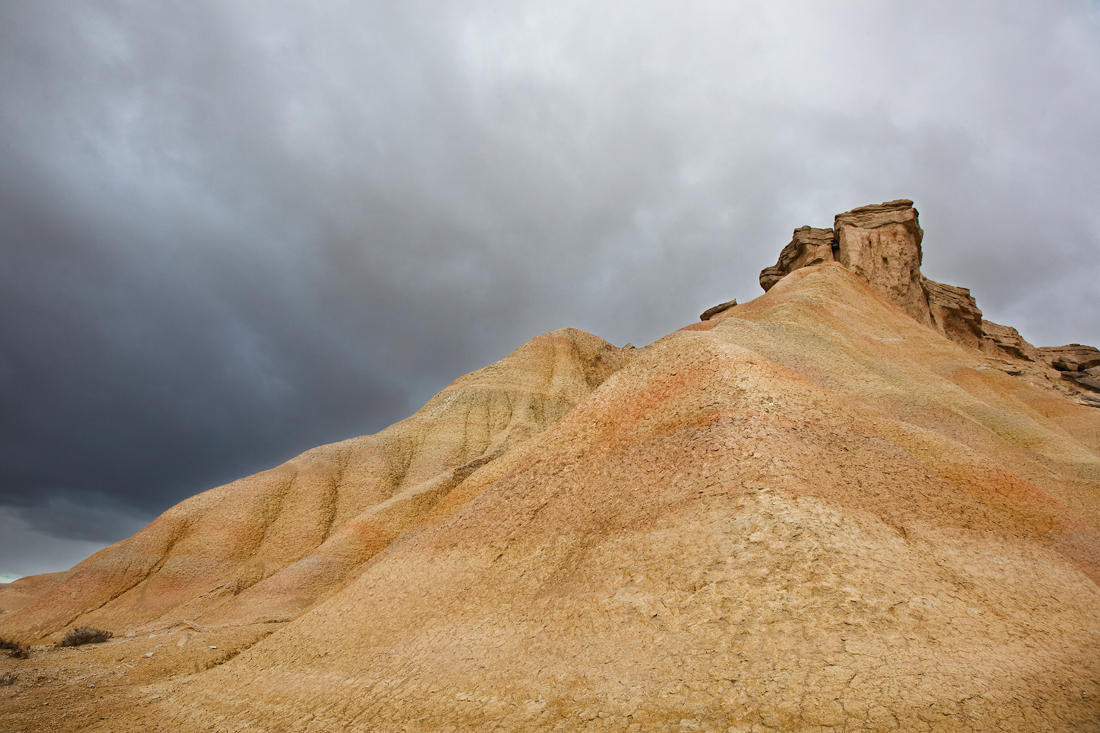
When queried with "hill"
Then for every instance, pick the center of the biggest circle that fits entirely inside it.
(848, 503)
(264, 547)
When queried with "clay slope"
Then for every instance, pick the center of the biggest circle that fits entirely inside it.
(812, 511)
(267, 546)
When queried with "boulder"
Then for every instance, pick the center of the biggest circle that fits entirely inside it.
(716, 309)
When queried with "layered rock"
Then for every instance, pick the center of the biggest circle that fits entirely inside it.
(1077, 363)
(786, 519)
(818, 514)
(882, 244)
(1071, 357)
(1002, 341)
(808, 246)
(954, 312)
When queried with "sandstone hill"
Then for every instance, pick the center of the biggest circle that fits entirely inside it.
(850, 503)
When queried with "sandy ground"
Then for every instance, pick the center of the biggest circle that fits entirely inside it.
(73, 688)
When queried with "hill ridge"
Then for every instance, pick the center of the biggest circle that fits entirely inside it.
(285, 536)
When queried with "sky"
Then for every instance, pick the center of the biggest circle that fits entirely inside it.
(231, 231)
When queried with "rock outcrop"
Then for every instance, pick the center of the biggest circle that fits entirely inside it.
(1077, 363)
(808, 246)
(954, 312)
(998, 340)
(881, 244)
(1071, 357)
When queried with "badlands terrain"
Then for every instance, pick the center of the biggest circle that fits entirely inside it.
(851, 503)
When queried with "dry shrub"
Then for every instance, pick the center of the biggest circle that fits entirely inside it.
(13, 648)
(85, 635)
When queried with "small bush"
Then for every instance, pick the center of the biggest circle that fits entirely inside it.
(8, 678)
(85, 635)
(13, 648)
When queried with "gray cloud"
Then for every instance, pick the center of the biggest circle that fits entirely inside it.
(231, 231)
(28, 551)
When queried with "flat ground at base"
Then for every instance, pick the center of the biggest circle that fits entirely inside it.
(75, 688)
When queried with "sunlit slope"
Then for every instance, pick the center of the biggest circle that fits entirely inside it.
(268, 545)
(813, 511)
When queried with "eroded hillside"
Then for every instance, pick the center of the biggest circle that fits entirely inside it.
(850, 503)
(811, 512)
(267, 546)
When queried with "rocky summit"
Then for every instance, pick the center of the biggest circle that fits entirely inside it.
(881, 244)
(849, 503)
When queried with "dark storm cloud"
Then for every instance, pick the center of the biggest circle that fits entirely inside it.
(232, 231)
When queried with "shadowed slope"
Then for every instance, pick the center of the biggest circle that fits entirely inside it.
(813, 511)
(266, 546)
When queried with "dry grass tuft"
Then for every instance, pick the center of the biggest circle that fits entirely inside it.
(85, 635)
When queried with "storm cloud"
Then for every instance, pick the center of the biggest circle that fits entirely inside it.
(231, 231)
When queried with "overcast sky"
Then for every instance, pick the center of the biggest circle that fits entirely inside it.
(230, 231)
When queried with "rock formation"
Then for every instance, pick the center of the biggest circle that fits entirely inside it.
(1078, 364)
(882, 245)
(808, 511)
(808, 246)
(1001, 340)
(954, 312)
(1072, 357)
